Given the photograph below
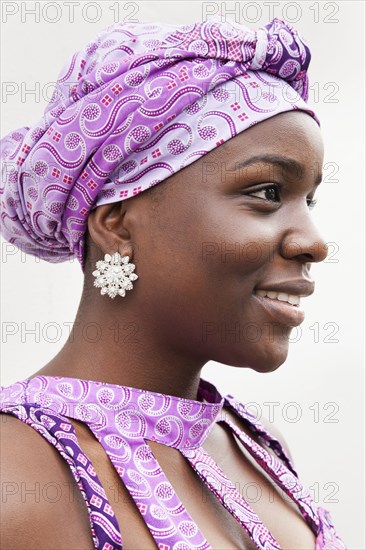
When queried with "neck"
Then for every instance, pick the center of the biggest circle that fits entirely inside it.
(128, 351)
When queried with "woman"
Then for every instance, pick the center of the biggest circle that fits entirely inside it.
(216, 114)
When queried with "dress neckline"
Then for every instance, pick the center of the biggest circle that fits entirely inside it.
(121, 417)
(171, 420)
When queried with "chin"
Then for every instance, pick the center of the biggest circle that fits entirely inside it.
(265, 358)
(269, 366)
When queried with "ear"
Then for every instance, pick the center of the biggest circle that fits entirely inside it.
(107, 230)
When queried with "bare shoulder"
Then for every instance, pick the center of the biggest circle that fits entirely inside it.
(39, 493)
(269, 426)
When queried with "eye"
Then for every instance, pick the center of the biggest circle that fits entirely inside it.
(311, 203)
(269, 193)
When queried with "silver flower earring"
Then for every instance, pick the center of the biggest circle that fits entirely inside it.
(114, 275)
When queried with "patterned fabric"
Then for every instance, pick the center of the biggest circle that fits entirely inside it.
(123, 419)
(134, 106)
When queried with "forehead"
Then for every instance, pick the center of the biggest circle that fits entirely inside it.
(294, 134)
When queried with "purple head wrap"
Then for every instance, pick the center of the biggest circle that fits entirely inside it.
(136, 105)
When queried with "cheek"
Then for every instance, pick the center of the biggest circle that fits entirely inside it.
(238, 245)
(207, 248)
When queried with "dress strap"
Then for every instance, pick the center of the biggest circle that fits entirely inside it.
(258, 428)
(284, 478)
(226, 492)
(328, 537)
(170, 524)
(60, 432)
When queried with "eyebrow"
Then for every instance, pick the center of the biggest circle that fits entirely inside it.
(286, 163)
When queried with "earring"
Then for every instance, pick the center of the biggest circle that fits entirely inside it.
(114, 275)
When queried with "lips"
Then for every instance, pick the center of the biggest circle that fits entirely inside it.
(281, 312)
(281, 300)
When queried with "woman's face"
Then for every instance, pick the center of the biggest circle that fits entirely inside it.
(219, 233)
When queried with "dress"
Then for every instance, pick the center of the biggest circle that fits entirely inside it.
(122, 418)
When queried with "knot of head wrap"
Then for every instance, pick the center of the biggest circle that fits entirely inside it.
(133, 107)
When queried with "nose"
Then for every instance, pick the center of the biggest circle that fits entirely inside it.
(303, 240)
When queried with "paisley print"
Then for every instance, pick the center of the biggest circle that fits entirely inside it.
(123, 419)
(134, 106)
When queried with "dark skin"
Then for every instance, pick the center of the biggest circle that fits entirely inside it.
(191, 289)
(180, 234)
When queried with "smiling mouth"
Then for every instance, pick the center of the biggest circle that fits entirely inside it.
(292, 299)
(278, 306)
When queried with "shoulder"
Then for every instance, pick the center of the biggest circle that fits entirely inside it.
(37, 488)
(240, 415)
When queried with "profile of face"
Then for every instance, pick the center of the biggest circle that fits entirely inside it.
(205, 240)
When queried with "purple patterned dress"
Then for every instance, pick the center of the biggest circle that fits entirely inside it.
(123, 419)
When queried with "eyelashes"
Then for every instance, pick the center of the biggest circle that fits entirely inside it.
(311, 203)
(275, 197)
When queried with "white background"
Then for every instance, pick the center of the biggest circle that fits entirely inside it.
(324, 374)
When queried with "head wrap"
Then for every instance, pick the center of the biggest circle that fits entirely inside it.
(134, 106)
